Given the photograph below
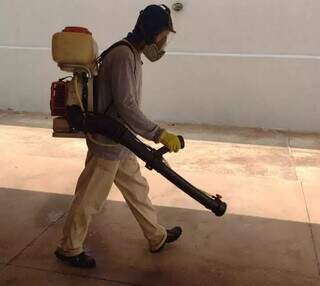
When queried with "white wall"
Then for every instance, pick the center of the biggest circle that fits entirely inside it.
(233, 62)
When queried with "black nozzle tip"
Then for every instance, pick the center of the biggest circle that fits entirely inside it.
(221, 209)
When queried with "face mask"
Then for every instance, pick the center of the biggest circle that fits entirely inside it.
(156, 50)
(153, 53)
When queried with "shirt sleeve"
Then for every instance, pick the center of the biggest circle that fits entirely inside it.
(125, 98)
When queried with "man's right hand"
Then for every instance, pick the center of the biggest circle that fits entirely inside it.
(171, 141)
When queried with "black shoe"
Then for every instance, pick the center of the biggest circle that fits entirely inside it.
(81, 261)
(172, 235)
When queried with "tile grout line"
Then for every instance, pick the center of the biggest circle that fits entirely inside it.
(34, 240)
(292, 157)
(76, 275)
(310, 227)
(306, 207)
(311, 230)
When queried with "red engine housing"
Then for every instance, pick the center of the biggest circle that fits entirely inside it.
(59, 93)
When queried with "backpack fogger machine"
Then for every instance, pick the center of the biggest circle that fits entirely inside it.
(74, 111)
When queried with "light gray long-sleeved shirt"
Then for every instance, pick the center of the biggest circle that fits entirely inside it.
(119, 96)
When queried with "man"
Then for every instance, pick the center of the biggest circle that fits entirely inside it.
(119, 96)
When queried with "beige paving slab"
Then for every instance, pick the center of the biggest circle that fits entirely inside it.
(18, 276)
(235, 135)
(307, 165)
(312, 195)
(309, 174)
(44, 174)
(24, 215)
(260, 197)
(236, 241)
(62, 161)
(305, 149)
(39, 142)
(217, 154)
(238, 160)
(220, 158)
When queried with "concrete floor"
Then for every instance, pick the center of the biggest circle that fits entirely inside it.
(270, 236)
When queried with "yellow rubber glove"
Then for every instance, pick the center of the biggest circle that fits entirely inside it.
(171, 141)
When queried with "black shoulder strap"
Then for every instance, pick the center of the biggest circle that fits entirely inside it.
(99, 61)
(120, 43)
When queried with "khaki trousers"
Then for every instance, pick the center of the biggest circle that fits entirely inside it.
(92, 189)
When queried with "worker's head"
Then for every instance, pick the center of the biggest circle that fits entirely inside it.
(152, 30)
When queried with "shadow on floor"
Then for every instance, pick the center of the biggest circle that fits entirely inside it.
(233, 250)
